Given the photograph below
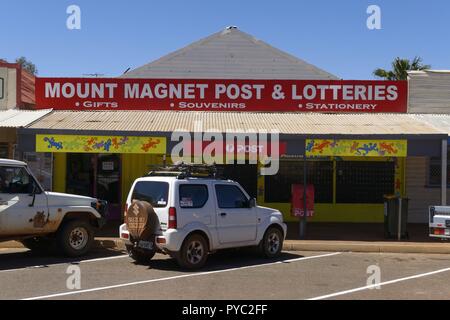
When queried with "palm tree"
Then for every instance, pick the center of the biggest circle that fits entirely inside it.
(400, 68)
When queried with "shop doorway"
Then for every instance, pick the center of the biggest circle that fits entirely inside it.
(98, 176)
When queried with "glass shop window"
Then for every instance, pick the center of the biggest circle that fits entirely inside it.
(434, 171)
(319, 174)
(364, 181)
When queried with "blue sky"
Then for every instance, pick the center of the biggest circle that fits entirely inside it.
(116, 35)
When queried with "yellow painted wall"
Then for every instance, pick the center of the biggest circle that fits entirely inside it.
(135, 166)
(328, 212)
(59, 172)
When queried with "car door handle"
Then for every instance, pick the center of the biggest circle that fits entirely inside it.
(223, 214)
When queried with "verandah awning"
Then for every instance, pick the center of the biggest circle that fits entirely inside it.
(286, 123)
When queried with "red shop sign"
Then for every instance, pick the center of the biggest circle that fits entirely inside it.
(237, 149)
(222, 95)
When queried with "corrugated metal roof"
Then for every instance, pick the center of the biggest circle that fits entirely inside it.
(20, 118)
(229, 54)
(429, 92)
(286, 123)
(423, 72)
(440, 122)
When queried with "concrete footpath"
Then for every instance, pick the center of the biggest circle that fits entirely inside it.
(437, 247)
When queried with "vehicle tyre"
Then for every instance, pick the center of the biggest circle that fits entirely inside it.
(193, 253)
(272, 243)
(141, 257)
(38, 244)
(75, 238)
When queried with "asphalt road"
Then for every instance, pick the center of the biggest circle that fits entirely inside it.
(228, 275)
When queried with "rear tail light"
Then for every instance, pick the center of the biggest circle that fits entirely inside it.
(172, 218)
(125, 236)
(438, 231)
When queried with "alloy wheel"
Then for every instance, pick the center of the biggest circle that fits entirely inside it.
(273, 243)
(195, 252)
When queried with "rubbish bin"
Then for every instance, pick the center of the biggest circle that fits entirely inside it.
(393, 217)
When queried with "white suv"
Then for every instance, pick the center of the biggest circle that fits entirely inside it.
(42, 220)
(189, 217)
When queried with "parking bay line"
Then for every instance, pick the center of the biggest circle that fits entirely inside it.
(64, 263)
(372, 286)
(178, 277)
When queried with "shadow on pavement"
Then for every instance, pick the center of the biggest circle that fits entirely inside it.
(223, 260)
(28, 259)
(327, 231)
(334, 231)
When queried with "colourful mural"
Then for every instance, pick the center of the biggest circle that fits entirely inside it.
(356, 148)
(99, 144)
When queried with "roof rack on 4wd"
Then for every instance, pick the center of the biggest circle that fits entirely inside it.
(186, 170)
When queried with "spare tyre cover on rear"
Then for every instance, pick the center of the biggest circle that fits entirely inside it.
(141, 220)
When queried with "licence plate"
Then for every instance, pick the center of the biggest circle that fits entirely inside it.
(145, 245)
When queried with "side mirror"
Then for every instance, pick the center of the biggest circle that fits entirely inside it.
(252, 203)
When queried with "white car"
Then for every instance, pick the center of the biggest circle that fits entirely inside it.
(43, 220)
(189, 217)
(439, 224)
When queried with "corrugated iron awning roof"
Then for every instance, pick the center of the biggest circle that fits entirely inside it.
(440, 122)
(20, 118)
(285, 123)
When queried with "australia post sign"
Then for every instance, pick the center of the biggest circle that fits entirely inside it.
(221, 95)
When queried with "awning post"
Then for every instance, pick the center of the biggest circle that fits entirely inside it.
(444, 173)
(304, 219)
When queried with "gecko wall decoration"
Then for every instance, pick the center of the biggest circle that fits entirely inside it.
(53, 144)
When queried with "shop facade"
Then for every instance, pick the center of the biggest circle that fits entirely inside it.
(355, 135)
(16, 92)
(349, 179)
(100, 166)
(17, 101)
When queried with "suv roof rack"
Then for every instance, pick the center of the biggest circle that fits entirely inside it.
(185, 170)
